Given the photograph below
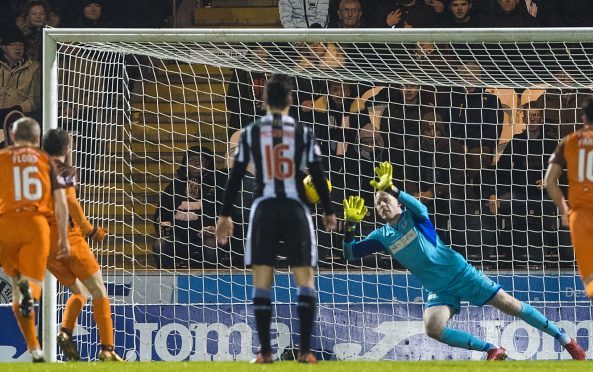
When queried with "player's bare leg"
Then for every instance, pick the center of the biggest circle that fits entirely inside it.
(510, 305)
(435, 326)
(102, 315)
(73, 307)
(306, 308)
(588, 284)
(263, 277)
(23, 298)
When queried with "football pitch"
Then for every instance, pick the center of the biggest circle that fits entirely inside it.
(424, 366)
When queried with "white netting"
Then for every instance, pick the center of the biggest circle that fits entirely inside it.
(444, 113)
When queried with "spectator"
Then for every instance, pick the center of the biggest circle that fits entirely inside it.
(92, 15)
(336, 121)
(303, 13)
(476, 119)
(510, 13)
(19, 75)
(186, 216)
(245, 93)
(568, 13)
(313, 56)
(519, 194)
(7, 118)
(460, 15)
(433, 174)
(361, 159)
(349, 15)
(563, 108)
(408, 13)
(242, 203)
(36, 15)
(401, 119)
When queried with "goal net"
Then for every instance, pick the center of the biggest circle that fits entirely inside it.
(468, 118)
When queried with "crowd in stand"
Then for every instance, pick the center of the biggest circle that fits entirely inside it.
(447, 143)
(435, 13)
(483, 188)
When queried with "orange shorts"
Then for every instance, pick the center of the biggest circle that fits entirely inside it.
(581, 233)
(24, 244)
(82, 263)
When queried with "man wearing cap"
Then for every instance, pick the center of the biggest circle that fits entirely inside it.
(19, 76)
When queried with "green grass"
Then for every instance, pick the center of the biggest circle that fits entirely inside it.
(424, 366)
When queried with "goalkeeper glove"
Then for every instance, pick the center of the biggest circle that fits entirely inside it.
(385, 174)
(354, 209)
(97, 234)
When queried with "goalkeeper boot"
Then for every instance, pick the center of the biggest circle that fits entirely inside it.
(307, 357)
(108, 355)
(26, 304)
(498, 353)
(37, 356)
(263, 358)
(575, 351)
(68, 347)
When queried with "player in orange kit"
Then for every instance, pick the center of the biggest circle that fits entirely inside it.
(28, 182)
(575, 153)
(82, 265)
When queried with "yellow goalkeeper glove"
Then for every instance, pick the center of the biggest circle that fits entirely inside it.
(385, 174)
(354, 209)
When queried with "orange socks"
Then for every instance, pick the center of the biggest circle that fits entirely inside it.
(27, 326)
(102, 314)
(75, 303)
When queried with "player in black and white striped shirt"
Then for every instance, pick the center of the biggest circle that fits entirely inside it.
(281, 150)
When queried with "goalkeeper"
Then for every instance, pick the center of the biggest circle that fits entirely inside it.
(411, 239)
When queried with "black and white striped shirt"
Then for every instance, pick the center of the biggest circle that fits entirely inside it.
(280, 150)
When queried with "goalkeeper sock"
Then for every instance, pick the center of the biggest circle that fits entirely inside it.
(457, 338)
(102, 315)
(27, 326)
(262, 308)
(536, 319)
(306, 310)
(75, 303)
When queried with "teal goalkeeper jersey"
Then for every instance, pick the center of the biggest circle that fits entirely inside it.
(414, 243)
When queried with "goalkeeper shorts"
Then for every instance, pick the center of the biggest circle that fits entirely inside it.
(473, 287)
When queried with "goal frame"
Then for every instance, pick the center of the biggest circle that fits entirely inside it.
(53, 36)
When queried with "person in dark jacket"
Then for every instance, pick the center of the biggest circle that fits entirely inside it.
(476, 119)
(244, 97)
(432, 171)
(401, 119)
(510, 13)
(460, 14)
(408, 13)
(568, 13)
(186, 216)
(519, 196)
(92, 15)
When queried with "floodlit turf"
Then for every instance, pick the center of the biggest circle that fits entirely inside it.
(510, 366)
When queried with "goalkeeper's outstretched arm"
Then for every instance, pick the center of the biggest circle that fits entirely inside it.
(353, 249)
(354, 212)
(411, 203)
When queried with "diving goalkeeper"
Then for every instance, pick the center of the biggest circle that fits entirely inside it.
(411, 239)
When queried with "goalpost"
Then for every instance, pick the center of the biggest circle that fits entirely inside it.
(138, 101)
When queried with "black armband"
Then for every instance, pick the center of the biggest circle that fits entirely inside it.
(349, 231)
